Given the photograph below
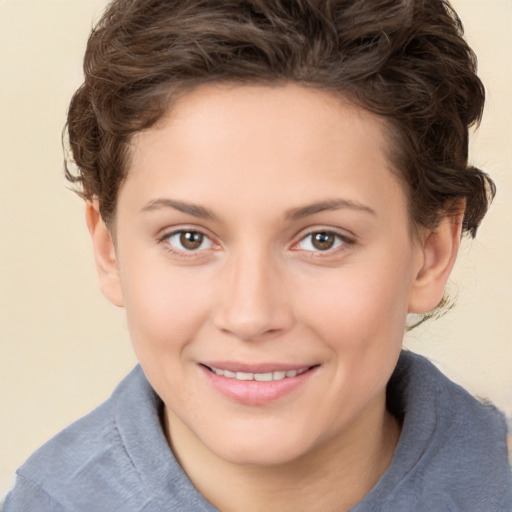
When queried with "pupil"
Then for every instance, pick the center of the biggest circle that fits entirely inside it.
(323, 241)
(191, 239)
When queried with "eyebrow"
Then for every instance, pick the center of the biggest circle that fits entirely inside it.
(331, 204)
(293, 214)
(182, 206)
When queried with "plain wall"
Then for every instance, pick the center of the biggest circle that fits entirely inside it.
(63, 347)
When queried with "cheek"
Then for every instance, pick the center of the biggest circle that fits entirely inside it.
(363, 304)
(165, 311)
(164, 306)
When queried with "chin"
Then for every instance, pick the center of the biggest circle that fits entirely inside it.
(261, 457)
(251, 447)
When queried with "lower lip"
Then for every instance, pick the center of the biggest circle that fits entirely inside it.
(253, 392)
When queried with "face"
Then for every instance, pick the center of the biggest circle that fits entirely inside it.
(266, 268)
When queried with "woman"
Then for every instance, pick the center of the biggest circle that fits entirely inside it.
(271, 187)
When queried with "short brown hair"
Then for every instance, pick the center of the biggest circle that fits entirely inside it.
(405, 60)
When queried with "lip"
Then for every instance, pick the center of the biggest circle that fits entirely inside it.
(253, 392)
(233, 366)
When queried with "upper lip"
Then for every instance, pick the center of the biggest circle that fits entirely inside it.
(235, 367)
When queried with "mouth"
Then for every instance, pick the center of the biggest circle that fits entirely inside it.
(256, 384)
(266, 376)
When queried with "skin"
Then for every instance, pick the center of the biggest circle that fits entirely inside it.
(258, 291)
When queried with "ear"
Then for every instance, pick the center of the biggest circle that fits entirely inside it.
(438, 252)
(104, 254)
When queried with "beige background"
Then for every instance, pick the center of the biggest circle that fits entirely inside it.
(63, 347)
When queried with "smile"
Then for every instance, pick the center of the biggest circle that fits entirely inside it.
(256, 384)
(260, 377)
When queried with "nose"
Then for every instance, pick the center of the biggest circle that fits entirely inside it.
(253, 303)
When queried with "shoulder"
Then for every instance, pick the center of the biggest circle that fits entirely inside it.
(115, 458)
(422, 390)
(452, 450)
(84, 456)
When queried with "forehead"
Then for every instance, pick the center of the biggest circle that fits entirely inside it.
(310, 115)
(259, 141)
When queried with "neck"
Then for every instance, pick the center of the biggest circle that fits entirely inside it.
(334, 476)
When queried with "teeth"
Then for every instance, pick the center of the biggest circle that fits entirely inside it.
(263, 377)
(260, 377)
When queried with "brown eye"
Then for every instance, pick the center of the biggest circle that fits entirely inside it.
(189, 241)
(323, 241)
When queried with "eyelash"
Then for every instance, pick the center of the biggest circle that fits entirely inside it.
(344, 244)
(183, 253)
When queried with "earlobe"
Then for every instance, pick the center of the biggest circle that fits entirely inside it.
(438, 253)
(104, 254)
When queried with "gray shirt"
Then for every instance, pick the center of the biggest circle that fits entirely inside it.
(451, 455)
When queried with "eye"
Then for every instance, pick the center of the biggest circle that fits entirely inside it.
(188, 240)
(321, 241)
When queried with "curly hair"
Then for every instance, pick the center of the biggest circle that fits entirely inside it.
(405, 60)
